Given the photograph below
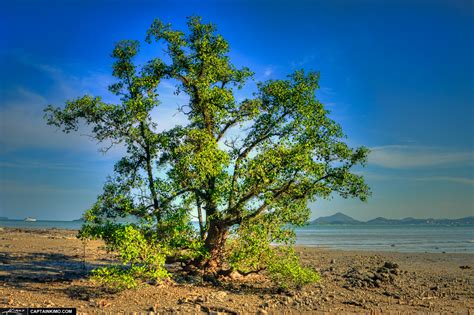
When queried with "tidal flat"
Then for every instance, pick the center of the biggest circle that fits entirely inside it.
(49, 267)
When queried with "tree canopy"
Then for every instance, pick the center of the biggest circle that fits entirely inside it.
(247, 169)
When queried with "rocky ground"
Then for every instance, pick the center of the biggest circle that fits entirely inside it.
(41, 268)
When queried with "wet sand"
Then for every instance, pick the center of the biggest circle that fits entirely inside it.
(48, 268)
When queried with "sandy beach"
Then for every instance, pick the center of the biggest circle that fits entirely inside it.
(48, 268)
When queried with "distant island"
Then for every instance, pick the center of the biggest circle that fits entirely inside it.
(341, 218)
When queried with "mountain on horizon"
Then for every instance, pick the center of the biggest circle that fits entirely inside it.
(341, 218)
(337, 218)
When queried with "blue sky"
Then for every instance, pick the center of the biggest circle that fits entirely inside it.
(397, 75)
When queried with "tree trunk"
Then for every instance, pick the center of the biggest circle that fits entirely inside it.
(215, 244)
(201, 223)
(149, 170)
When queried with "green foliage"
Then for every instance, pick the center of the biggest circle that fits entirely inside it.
(248, 168)
(252, 251)
(285, 269)
(114, 277)
(141, 258)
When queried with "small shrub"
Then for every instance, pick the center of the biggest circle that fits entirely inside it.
(141, 258)
(252, 251)
(114, 277)
(285, 269)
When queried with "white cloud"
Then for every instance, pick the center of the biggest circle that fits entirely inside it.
(404, 156)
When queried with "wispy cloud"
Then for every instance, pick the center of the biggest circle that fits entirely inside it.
(43, 165)
(26, 106)
(11, 186)
(372, 176)
(268, 72)
(404, 156)
(69, 86)
(453, 179)
(22, 126)
(303, 61)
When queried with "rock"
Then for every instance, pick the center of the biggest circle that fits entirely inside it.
(211, 279)
(390, 265)
(262, 312)
(333, 261)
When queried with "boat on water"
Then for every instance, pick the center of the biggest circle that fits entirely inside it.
(30, 219)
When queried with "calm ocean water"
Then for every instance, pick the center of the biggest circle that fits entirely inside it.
(400, 238)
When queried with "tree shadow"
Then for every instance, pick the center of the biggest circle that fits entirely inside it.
(22, 270)
(87, 293)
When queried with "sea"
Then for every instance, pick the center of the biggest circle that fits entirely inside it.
(398, 238)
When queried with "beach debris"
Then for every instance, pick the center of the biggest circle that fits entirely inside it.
(465, 267)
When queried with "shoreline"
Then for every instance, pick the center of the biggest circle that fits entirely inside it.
(48, 269)
(395, 248)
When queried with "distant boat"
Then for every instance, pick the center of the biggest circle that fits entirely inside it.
(30, 219)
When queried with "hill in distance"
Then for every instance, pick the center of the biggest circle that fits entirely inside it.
(341, 218)
(338, 218)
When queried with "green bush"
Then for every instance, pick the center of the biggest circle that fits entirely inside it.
(285, 269)
(251, 251)
(141, 258)
(114, 277)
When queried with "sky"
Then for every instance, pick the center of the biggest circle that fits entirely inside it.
(397, 75)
